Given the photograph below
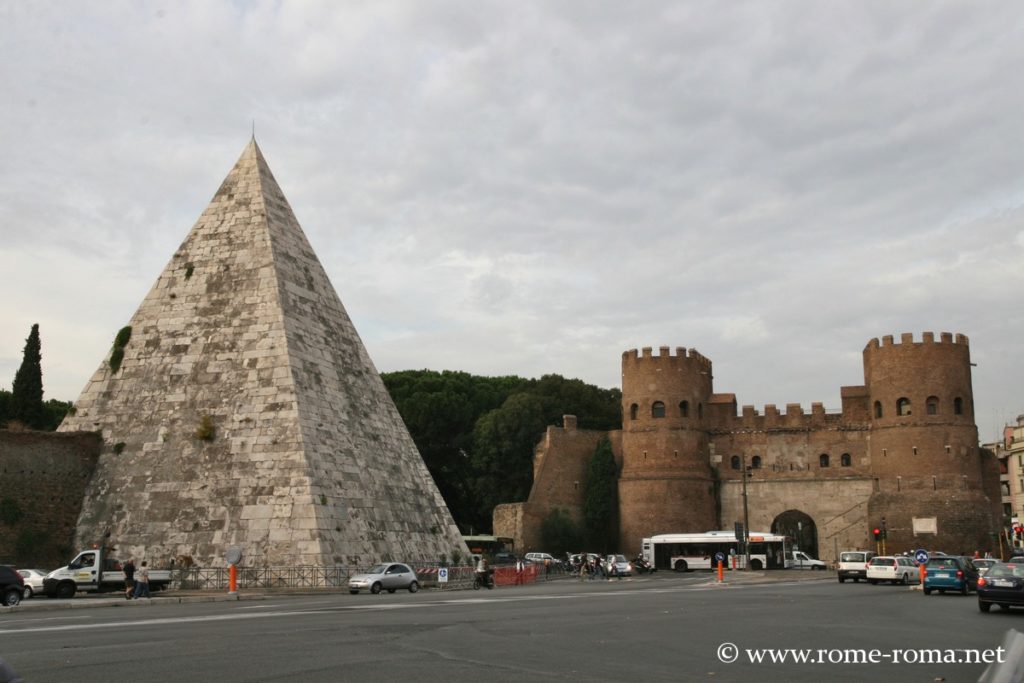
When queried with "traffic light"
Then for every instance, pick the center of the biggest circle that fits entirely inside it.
(878, 533)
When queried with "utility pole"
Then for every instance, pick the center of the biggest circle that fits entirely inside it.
(746, 516)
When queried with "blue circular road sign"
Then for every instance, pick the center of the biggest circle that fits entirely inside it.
(921, 556)
(719, 556)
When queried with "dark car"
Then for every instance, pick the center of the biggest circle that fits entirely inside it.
(504, 558)
(12, 586)
(950, 573)
(1003, 585)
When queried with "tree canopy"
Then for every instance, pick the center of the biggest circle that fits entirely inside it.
(477, 434)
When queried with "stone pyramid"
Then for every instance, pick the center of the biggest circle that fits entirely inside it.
(246, 412)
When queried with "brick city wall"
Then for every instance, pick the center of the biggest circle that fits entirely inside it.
(43, 477)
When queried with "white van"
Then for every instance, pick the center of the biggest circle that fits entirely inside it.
(853, 564)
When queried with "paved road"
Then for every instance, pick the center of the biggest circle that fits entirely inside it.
(662, 628)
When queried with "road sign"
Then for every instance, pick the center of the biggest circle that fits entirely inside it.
(719, 556)
(442, 575)
(921, 556)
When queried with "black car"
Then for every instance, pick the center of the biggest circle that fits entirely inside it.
(1002, 585)
(12, 586)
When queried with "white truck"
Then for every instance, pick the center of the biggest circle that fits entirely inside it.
(95, 571)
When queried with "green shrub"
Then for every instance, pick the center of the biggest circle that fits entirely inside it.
(119, 447)
(206, 430)
(189, 269)
(124, 335)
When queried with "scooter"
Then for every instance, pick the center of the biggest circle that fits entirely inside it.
(483, 581)
(641, 565)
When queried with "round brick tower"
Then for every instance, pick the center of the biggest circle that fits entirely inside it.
(924, 444)
(666, 484)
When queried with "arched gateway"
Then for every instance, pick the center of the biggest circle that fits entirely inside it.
(800, 527)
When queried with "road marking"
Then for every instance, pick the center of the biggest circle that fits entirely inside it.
(371, 607)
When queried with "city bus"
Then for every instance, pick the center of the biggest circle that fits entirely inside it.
(488, 545)
(683, 552)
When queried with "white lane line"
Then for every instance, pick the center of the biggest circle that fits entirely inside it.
(360, 608)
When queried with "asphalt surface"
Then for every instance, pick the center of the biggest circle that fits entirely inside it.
(668, 627)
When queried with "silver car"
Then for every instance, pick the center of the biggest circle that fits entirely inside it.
(389, 576)
(618, 565)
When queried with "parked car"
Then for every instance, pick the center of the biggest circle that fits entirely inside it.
(503, 559)
(389, 576)
(12, 586)
(543, 558)
(853, 564)
(617, 565)
(984, 564)
(33, 581)
(895, 569)
(1003, 585)
(802, 560)
(950, 573)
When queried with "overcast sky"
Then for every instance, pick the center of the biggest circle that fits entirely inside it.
(535, 187)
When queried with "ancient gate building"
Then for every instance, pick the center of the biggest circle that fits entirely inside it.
(240, 408)
(902, 452)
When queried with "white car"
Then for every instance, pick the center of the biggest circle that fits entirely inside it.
(389, 576)
(618, 565)
(33, 582)
(894, 569)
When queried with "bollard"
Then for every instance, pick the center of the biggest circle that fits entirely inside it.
(233, 580)
(924, 572)
(721, 571)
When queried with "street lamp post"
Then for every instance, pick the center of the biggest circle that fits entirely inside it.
(746, 516)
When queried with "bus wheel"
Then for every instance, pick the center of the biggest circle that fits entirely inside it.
(680, 566)
(755, 565)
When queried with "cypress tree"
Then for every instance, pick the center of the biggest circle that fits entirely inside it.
(27, 393)
(600, 502)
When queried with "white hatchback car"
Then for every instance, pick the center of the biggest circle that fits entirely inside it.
(894, 569)
(389, 576)
(33, 582)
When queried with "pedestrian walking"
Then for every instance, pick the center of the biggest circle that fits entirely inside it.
(142, 582)
(129, 579)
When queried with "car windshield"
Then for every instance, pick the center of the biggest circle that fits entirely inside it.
(620, 558)
(378, 569)
(851, 557)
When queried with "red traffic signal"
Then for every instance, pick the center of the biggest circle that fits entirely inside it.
(878, 533)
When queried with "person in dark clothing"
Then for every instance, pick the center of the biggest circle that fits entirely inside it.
(129, 579)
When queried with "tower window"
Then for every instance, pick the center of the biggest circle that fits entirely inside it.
(823, 460)
(657, 409)
(755, 462)
(958, 406)
(700, 411)
(878, 409)
(684, 409)
(932, 405)
(633, 410)
(903, 406)
(845, 460)
(735, 462)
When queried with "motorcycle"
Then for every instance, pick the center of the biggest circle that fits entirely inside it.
(641, 565)
(483, 581)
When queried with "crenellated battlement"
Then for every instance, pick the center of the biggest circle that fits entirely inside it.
(682, 356)
(907, 338)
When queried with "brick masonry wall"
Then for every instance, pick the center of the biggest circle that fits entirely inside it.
(43, 477)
